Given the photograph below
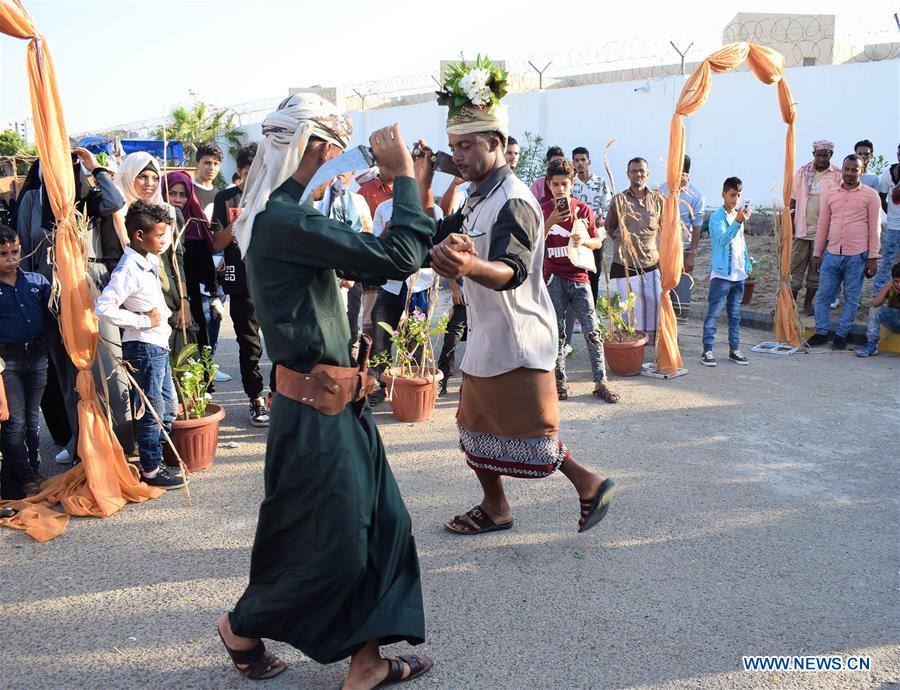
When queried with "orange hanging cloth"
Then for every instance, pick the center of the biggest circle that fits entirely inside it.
(104, 482)
(768, 66)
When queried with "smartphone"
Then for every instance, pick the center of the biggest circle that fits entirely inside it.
(745, 206)
(562, 204)
(233, 213)
(444, 163)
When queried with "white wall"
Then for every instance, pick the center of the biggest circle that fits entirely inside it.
(738, 132)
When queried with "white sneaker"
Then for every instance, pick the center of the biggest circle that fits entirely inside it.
(222, 377)
(63, 457)
(567, 350)
(835, 304)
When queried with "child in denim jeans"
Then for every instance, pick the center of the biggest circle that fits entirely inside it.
(24, 308)
(134, 301)
(569, 285)
(729, 268)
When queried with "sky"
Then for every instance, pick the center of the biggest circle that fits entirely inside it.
(123, 61)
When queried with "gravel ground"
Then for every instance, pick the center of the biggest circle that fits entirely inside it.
(757, 514)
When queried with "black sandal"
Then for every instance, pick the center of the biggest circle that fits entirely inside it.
(601, 390)
(593, 510)
(562, 393)
(257, 661)
(482, 520)
(418, 665)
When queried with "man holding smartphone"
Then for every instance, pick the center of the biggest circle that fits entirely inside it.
(729, 268)
(570, 221)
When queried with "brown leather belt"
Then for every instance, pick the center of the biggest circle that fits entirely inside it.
(326, 388)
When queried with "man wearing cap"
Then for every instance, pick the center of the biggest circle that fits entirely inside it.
(810, 182)
(508, 416)
(334, 570)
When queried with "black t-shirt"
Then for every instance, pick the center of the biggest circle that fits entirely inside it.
(234, 282)
(207, 198)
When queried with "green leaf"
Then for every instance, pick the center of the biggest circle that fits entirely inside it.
(386, 326)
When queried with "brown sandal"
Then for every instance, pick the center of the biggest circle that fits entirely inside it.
(482, 523)
(257, 662)
(601, 390)
(418, 666)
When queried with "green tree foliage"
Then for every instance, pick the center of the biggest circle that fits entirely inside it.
(532, 162)
(199, 123)
(12, 144)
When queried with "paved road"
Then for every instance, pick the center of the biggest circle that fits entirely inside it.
(757, 515)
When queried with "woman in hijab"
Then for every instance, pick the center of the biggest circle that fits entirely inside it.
(178, 189)
(138, 177)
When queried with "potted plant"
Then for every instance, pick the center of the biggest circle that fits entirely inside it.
(623, 346)
(412, 376)
(756, 272)
(195, 432)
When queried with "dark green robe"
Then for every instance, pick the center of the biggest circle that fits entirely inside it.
(334, 562)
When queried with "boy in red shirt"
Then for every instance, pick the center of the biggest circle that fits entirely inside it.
(567, 219)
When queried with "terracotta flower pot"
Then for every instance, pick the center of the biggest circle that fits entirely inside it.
(196, 439)
(748, 291)
(412, 400)
(625, 359)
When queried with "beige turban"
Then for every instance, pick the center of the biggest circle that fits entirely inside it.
(287, 131)
(471, 120)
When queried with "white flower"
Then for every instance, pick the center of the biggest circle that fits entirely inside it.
(474, 85)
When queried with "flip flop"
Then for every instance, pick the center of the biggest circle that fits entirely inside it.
(597, 506)
(481, 519)
(418, 665)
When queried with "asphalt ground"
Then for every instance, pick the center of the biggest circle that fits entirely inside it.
(756, 515)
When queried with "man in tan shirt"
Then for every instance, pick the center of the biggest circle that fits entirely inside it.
(633, 223)
(810, 182)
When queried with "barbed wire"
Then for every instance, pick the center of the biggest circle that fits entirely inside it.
(804, 40)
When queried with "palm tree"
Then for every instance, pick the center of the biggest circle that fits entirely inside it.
(201, 122)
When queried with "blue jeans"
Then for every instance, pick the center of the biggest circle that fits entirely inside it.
(721, 293)
(153, 374)
(212, 324)
(24, 379)
(890, 249)
(889, 318)
(834, 271)
(576, 298)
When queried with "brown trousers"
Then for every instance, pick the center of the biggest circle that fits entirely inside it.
(801, 264)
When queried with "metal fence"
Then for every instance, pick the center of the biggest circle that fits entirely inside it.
(803, 39)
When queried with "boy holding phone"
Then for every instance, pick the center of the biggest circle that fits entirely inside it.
(567, 219)
(729, 268)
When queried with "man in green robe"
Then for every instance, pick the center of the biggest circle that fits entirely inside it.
(334, 570)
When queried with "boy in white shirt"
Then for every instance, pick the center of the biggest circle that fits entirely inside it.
(133, 300)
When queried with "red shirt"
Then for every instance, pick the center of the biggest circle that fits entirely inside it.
(556, 256)
(374, 192)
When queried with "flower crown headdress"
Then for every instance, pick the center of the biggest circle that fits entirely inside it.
(480, 85)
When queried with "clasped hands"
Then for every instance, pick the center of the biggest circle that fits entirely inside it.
(453, 258)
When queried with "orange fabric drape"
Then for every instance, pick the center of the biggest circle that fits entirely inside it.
(103, 482)
(768, 65)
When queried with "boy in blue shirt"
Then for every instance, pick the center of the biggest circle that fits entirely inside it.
(729, 268)
(24, 308)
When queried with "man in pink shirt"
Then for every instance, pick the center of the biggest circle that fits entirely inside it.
(846, 248)
(539, 187)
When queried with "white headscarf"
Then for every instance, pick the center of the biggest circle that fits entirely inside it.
(287, 131)
(472, 120)
(133, 165)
